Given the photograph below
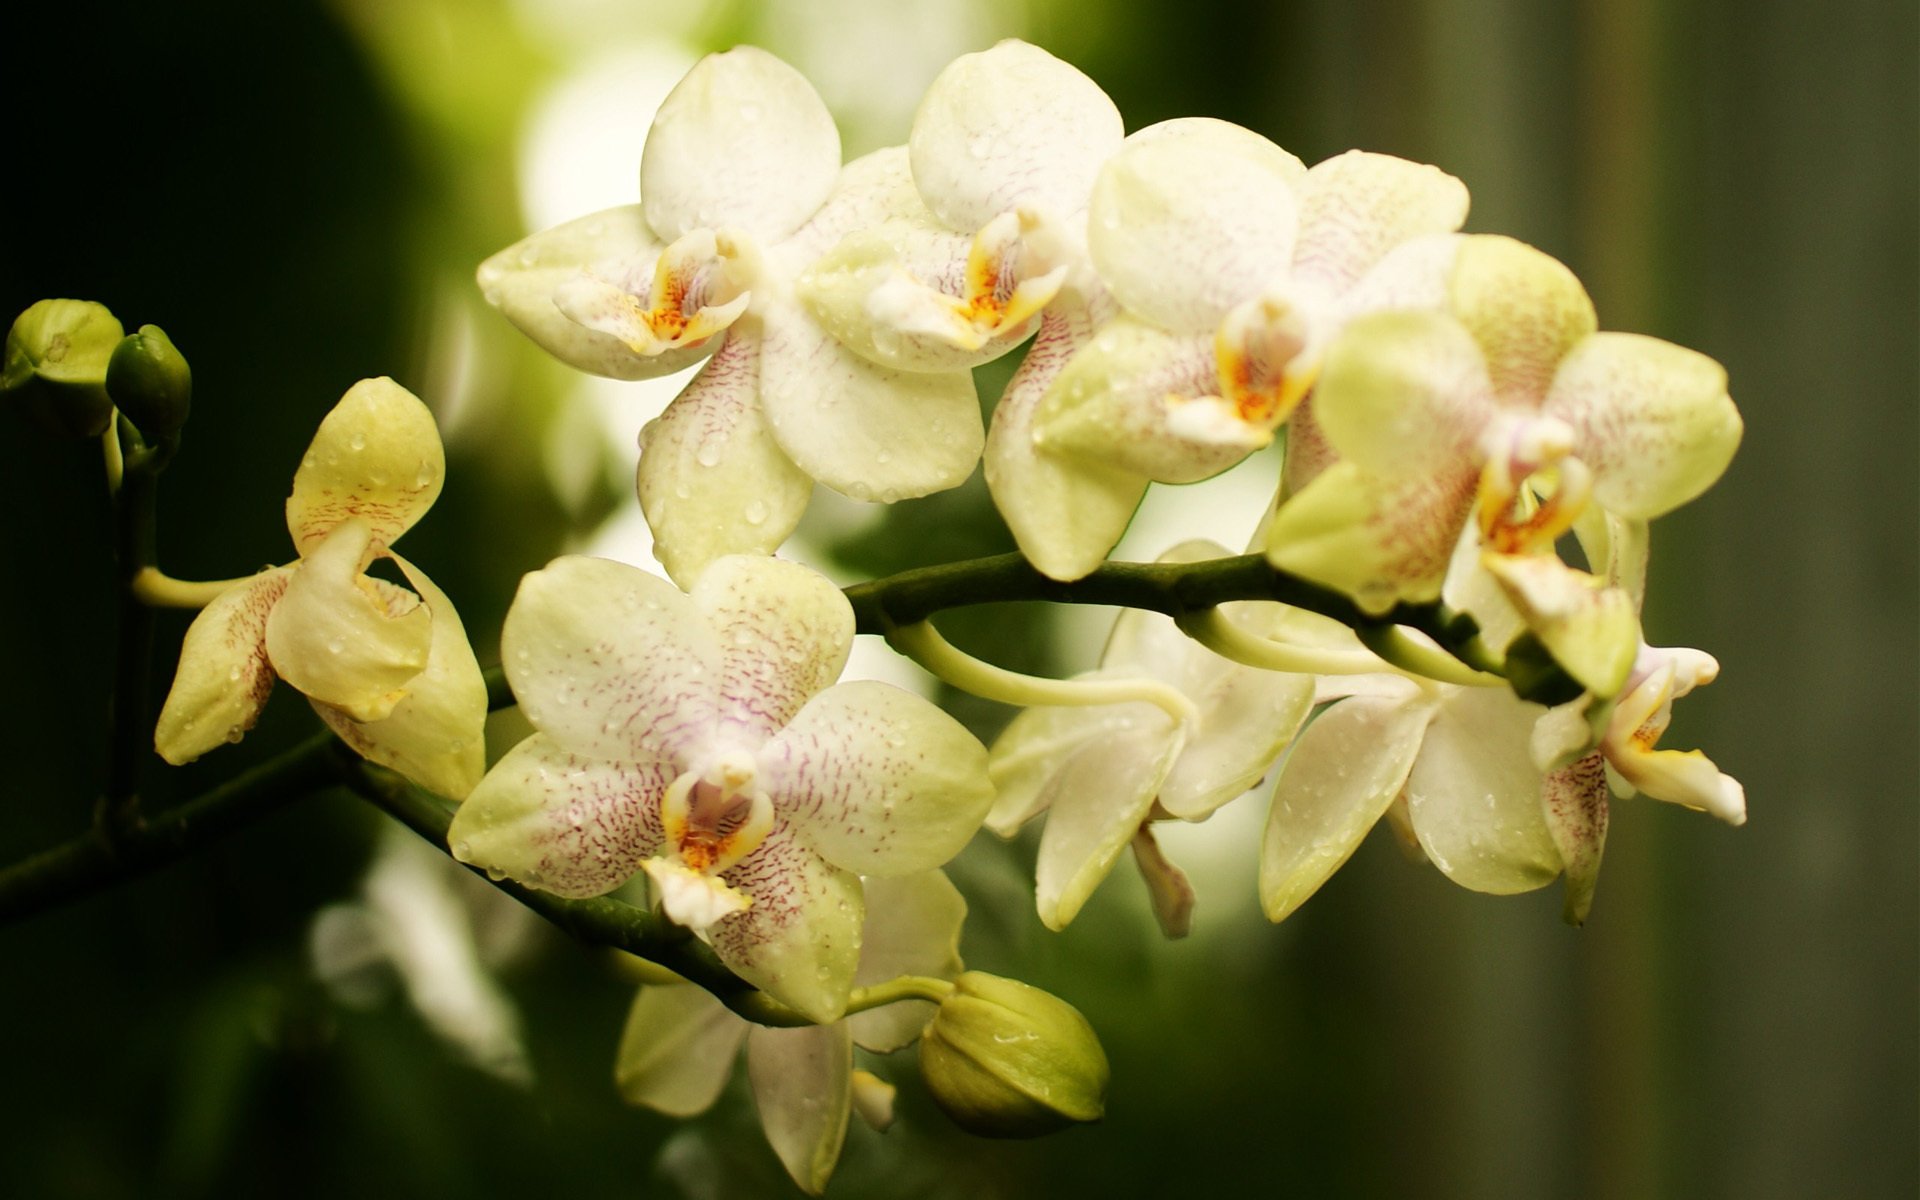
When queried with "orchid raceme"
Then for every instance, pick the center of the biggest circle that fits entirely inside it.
(695, 736)
(1103, 773)
(741, 188)
(680, 1043)
(1232, 266)
(1490, 381)
(389, 670)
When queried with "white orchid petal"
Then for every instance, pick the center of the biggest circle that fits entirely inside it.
(1339, 779)
(611, 661)
(523, 280)
(1402, 393)
(803, 1090)
(872, 190)
(1119, 400)
(1099, 799)
(224, 674)
(376, 458)
(799, 941)
(882, 781)
(1476, 798)
(1247, 717)
(436, 735)
(784, 632)
(342, 638)
(1008, 127)
(1190, 218)
(559, 821)
(677, 1049)
(869, 432)
(1653, 420)
(1357, 206)
(742, 141)
(712, 479)
(1026, 754)
(670, 307)
(1065, 513)
(913, 928)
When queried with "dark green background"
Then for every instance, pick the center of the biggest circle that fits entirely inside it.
(1739, 1018)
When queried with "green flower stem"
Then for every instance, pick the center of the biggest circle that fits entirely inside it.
(922, 643)
(1416, 657)
(129, 728)
(1212, 629)
(156, 589)
(1175, 589)
(96, 861)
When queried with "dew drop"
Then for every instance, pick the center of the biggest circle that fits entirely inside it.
(883, 457)
(336, 645)
(528, 256)
(462, 848)
(233, 675)
(596, 228)
(235, 733)
(979, 145)
(756, 513)
(496, 874)
(708, 456)
(357, 442)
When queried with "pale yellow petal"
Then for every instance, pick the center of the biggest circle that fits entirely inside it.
(342, 638)
(376, 458)
(224, 674)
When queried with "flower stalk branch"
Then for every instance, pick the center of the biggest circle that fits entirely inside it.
(133, 476)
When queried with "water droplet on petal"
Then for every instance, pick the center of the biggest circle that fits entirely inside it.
(336, 645)
(357, 442)
(756, 513)
(708, 455)
(979, 145)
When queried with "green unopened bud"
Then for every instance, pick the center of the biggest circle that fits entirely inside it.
(56, 364)
(150, 382)
(1007, 1060)
(1535, 675)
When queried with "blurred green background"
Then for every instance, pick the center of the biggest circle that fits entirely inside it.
(298, 193)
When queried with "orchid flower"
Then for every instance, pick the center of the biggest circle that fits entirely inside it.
(741, 188)
(1003, 151)
(694, 735)
(389, 670)
(1104, 773)
(1229, 265)
(1489, 375)
(680, 1043)
(1500, 793)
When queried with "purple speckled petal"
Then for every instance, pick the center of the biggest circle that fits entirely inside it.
(883, 782)
(784, 631)
(567, 824)
(1574, 800)
(800, 939)
(611, 662)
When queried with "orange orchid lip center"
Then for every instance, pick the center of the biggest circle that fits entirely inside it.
(716, 817)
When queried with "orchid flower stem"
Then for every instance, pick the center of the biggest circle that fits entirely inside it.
(922, 643)
(1421, 658)
(157, 589)
(129, 730)
(1212, 629)
(114, 460)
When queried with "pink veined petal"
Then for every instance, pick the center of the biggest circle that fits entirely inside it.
(1653, 420)
(1378, 540)
(1340, 778)
(343, 638)
(742, 141)
(436, 735)
(376, 458)
(784, 631)
(1475, 795)
(1524, 308)
(799, 941)
(224, 674)
(612, 662)
(1065, 513)
(677, 1049)
(712, 480)
(866, 431)
(1098, 799)
(1404, 393)
(1010, 126)
(1574, 800)
(871, 190)
(881, 781)
(913, 928)
(1308, 450)
(803, 1089)
(1355, 207)
(561, 822)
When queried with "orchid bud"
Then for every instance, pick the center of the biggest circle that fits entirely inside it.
(56, 365)
(150, 382)
(1003, 1059)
